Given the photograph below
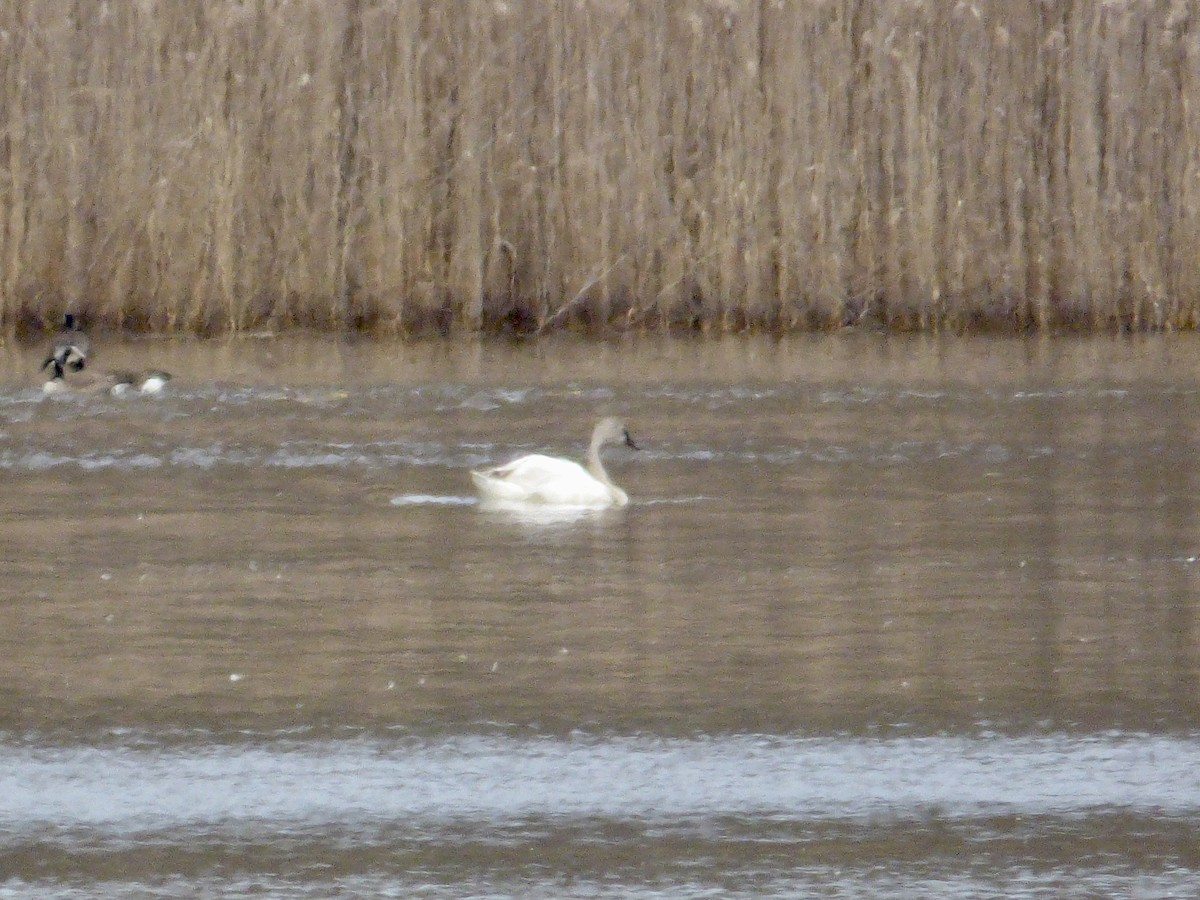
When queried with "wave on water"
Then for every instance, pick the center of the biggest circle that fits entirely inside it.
(135, 786)
(317, 455)
(432, 500)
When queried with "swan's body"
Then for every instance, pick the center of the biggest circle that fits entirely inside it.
(70, 348)
(547, 479)
(559, 482)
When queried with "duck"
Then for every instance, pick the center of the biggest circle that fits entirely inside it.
(70, 348)
(151, 381)
(116, 384)
(55, 384)
(551, 480)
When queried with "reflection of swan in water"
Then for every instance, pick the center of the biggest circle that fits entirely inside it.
(542, 515)
(549, 480)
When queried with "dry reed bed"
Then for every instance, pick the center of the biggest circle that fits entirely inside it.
(407, 164)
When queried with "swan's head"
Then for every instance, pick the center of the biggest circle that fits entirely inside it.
(612, 431)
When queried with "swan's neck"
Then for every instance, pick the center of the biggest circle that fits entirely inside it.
(595, 466)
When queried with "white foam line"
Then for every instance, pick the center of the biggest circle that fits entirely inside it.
(494, 779)
(432, 500)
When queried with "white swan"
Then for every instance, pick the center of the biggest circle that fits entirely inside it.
(554, 481)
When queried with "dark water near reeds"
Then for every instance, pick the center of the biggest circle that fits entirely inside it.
(885, 618)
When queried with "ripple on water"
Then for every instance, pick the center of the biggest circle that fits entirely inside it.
(497, 778)
(431, 500)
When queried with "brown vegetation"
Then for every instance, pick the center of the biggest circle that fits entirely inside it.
(411, 164)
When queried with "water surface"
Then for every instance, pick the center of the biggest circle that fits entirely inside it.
(887, 617)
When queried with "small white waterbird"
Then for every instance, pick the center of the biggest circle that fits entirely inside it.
(554, 481)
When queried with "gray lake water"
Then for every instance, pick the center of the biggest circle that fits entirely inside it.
(885, 617)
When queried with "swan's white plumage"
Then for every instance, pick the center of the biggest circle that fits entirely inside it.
(546, 479)
(559, 482)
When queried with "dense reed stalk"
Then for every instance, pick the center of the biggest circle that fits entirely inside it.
(407, 164)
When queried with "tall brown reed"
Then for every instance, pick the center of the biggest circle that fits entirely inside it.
(407, 164)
